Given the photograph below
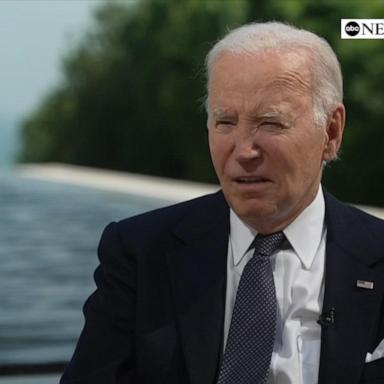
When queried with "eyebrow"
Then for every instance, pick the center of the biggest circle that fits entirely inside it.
(220, 114)
(269, 115)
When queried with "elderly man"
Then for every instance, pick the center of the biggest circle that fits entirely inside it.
(270, 280)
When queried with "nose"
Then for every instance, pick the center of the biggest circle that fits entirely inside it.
(246, 146)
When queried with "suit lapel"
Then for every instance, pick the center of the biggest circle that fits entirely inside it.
(351, 252)
(197, 268)
(198, 274)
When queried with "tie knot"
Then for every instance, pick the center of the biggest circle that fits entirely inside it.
(266, 244)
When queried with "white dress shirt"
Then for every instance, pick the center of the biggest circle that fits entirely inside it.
(298, 271)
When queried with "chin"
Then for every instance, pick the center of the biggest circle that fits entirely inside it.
(253, 209)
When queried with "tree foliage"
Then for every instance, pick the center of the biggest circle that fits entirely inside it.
(133, 90)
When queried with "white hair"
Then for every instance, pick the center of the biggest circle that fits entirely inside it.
(327, 81)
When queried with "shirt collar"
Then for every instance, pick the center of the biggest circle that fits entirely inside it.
(305, 232)
(310, 222)
(241, 237)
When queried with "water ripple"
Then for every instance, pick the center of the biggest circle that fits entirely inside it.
(48, 238)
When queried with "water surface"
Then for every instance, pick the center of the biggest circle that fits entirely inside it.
(49, 233)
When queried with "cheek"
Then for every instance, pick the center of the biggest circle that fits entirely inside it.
(216, 157)
(308, 148)
(296, 162)
(306, 163)
(220, 152)
(284, 158)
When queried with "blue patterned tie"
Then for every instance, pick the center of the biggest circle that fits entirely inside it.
(252, 331)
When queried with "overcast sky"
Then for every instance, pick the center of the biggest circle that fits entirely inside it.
(34, 35)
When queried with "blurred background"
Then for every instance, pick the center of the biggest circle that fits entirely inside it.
(119, 85)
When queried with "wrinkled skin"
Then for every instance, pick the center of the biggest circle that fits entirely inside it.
(266, 149)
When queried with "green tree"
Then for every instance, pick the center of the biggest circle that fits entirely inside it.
(133, 90)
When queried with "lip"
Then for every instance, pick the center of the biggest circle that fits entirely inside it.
(251, 183)
(251, 179)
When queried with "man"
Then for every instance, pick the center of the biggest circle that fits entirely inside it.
(271, 280)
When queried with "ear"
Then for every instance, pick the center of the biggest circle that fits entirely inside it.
(334, 133)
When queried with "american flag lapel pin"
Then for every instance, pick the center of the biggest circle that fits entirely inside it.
(364, 284)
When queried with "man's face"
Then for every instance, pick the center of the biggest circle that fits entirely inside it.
(266, 150)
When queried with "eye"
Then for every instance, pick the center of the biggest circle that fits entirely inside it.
(272, 125)
(224, 125)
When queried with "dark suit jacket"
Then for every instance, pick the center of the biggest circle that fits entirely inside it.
(158, 312)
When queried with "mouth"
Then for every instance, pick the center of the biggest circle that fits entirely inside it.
(251, 179)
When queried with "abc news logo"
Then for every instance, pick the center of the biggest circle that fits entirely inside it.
(362, 28)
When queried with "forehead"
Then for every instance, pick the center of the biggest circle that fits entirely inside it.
(250, 78)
